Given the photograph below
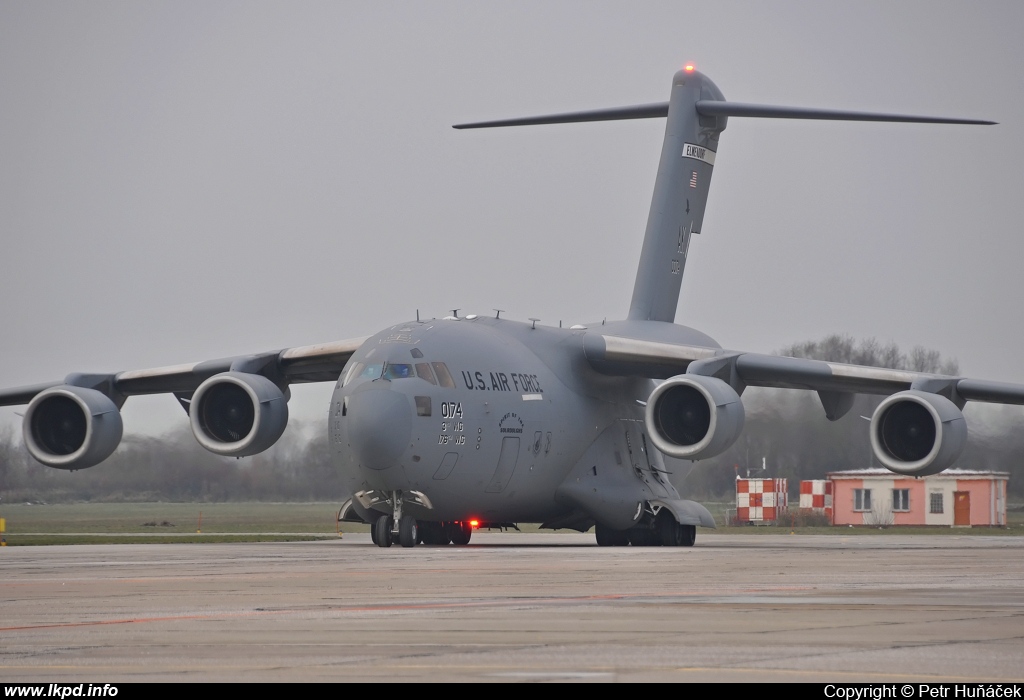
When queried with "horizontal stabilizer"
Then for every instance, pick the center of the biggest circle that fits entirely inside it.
(650, 111)
(716, 108)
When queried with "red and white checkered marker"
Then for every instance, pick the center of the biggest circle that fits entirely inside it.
(761, 500)
(816, 496)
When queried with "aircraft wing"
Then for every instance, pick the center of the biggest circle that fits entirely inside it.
(310, 363)
(622, 356)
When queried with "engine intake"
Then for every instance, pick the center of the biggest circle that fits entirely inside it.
(917, 433)
(69, 427)
(694, 417)
(238, 414)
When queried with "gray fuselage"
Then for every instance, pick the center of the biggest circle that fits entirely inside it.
(488, 418)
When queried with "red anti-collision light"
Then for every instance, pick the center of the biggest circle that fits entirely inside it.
(688, 67)
(474, 524)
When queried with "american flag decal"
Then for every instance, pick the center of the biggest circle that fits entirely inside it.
(693, 179)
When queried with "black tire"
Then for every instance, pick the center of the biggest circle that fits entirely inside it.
(382, 529)
(407, 531)
(643, 537)
(448, 531)
(444, 533)
(607, 537)
(373, 532)
(461, 532)
(430, 533)
(687, 535)
(669, 531)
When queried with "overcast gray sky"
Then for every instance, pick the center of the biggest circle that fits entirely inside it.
(187, 180)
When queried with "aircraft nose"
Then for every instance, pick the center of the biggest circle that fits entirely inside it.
(380, 426)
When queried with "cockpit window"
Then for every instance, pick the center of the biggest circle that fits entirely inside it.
(423, 372)
(372, 371)
(444, 378)
(351, 372)
(398, 371)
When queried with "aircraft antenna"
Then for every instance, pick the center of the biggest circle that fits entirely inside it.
(497, 312)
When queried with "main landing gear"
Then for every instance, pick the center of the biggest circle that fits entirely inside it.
(662, 530)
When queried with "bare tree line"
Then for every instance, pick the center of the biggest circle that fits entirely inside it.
(843, 348)
(785, 428)
(173, 467)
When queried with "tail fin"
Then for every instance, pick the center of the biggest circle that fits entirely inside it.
(697, 114)
(680, 195)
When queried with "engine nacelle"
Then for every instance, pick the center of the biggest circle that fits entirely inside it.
(238, 414)
(917, 433)
(68, 427)
(694, 417)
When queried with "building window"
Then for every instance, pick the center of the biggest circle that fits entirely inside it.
(901, 499)
(935, 503)
(862, 499)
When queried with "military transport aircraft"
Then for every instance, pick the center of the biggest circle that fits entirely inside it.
(440, 424)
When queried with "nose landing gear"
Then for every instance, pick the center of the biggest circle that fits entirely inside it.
(383, 535)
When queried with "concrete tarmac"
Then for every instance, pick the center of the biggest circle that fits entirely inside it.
(519, 607)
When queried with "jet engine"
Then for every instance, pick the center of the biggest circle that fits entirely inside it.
(917, 433)
(238, 414)
(694, 417)
(69, 427)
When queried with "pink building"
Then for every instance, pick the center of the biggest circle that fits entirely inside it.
(956, 497)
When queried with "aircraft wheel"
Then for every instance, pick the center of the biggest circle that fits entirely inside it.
(461, 532)
(430, 533)
(407, 531)
(444, 533)
(687, 535)
(607, 537)
(382, 529)
(373, 532)
(669, 532)
(642, 537)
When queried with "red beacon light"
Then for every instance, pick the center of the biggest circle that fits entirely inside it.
(474, 524)
(688, 68)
